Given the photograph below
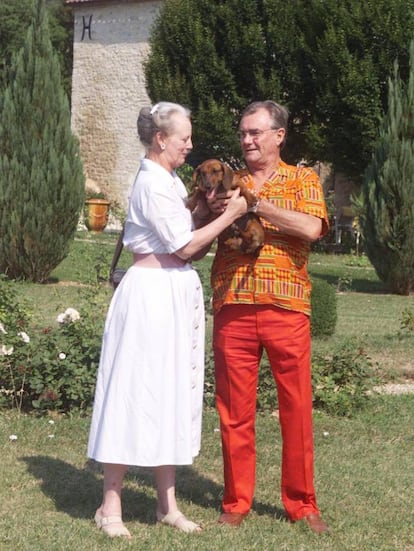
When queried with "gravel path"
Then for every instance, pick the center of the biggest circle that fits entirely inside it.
(396, 388)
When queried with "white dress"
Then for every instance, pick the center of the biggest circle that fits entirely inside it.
(149, 391)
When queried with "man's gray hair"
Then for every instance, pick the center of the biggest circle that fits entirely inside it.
(278, 113)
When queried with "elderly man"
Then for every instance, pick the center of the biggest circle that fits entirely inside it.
(262, 303)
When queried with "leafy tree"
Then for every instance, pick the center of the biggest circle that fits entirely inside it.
(387, 218)
(352, 46)
(41, 176)
(15, 19)
(327, 61)
(205, 57)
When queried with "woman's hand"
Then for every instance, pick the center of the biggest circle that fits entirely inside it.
(236, 204)
(227, 209)
(220, 202)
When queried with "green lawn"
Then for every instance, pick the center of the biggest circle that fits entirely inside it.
(366, 311)
(364, 479)
(364, 465)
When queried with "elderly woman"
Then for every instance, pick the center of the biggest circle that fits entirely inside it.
(148, 398)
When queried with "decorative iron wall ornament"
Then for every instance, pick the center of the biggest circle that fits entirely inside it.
(87, 26)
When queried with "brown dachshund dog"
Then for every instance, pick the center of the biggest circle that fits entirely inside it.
(212, 177)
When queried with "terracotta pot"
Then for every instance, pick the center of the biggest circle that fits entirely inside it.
(97, 211)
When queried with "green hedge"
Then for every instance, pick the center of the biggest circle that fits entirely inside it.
(324, 309)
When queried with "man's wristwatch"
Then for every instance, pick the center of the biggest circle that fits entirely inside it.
(254, 207)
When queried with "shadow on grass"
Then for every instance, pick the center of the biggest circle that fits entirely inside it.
(356, 285)
(264, 509)
(78, 492)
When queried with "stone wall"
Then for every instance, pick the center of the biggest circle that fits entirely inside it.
(108, 89)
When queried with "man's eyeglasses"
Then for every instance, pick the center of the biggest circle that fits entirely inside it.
(256, 133)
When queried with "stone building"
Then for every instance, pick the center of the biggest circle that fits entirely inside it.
(108, 88)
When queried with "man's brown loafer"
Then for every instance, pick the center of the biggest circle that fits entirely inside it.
(232, 519)
(316, 524)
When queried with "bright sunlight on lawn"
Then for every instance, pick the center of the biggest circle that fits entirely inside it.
(364, 463)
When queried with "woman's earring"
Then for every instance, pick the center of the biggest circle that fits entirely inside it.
(162, 146)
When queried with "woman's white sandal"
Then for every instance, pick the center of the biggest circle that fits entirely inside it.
(179, 521)
(112, 526)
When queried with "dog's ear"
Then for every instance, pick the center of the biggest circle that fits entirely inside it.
(227, 176)
(196, 176)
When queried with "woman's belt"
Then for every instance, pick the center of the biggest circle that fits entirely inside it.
(152, 260)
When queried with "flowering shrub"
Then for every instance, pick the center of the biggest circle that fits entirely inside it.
(48, 368)
(342, 381)
(14, 350)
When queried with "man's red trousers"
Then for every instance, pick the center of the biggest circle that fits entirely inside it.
(241, 333)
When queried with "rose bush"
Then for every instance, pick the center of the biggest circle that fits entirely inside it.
(52, 367)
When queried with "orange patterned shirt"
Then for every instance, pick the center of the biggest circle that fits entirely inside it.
(279, 275)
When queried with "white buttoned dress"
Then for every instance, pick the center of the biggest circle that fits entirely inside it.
(149, 390)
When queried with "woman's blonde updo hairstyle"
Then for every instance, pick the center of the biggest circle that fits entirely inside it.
(158, 119)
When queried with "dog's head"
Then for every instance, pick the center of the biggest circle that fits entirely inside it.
(211, 174)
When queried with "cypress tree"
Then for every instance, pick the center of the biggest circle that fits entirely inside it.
(41, 175)
(387, 219)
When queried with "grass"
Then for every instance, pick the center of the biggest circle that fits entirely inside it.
(364, 467)
(364, 480)
(366, 312)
